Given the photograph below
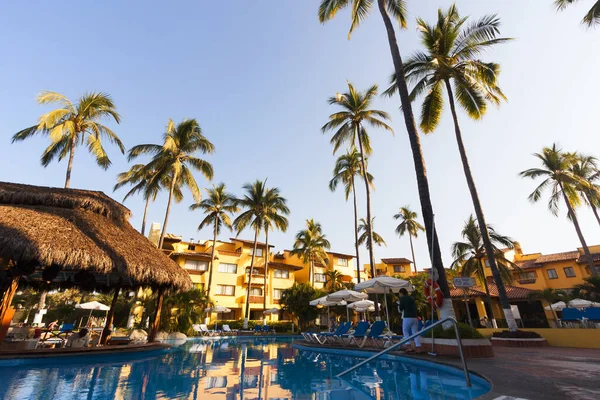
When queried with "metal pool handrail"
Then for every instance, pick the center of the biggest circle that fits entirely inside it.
(394, 346)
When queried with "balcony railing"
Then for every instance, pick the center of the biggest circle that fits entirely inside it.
(527, 281)
(255, 280)
(256, 299)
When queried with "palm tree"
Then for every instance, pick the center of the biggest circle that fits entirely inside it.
(346, 168)
(556, 171)
(550, 296)
(334, 279)
(469, 253)
(591, 18)
(410, 225)
(363, 230)
(349, 126)
(75, 124)
(218, 208)
(589, 290)
(141, 178)
(253, 202)
(586, 168)
(311, 245)
(275, 210)
(450, 60)
(397, 9)
(174, 161)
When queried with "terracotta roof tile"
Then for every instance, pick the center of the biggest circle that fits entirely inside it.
(513, 292)
(400, 260)
(284, 265)
(581, 259)
(457, 293)
(526, 264)
(564, 256)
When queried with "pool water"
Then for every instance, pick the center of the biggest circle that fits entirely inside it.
(234, 368)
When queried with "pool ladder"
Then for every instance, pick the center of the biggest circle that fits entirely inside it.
(411, 337)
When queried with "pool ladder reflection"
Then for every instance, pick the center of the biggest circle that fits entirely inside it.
(411, 337)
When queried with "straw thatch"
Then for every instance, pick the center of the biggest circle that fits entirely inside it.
(79, 230)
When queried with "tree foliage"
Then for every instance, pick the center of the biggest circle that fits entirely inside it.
(295, 301)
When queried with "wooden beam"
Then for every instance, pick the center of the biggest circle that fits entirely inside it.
(110, 316)
(8, 289)
(156, 321)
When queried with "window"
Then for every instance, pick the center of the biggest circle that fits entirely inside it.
(196, 265)
(191, 247)
(281, 273)
(343, 262)
(225, 290)
(527, 277)
(487, 263)
(552, 274)
(277, 293)
(320, 278)
(259, 252)
(398, 269)
(228, 268)
(569, 272)
(256, 291)
(255, 271)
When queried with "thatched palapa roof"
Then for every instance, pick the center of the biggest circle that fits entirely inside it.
(80, 230)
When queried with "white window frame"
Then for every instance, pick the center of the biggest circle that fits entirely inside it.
(321, 278)
(228, 265)
(279, 291)
(220, 288)
(281, 274)
(256, 288)
(193, 265)
(342, 262)
(259, 251)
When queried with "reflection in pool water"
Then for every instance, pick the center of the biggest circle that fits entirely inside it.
(239, 368)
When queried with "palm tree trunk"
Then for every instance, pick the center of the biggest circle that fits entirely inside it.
(70, 164)
(575, 221)
(488, 298)
(266, 269)
(143, 231)
(312, 274)
(247, 311)
(356, 232)
(420, 170)
(164, 229)
(156, 320)
(412, 250)
(485, 236)
(593, 207)
(212, 257)
(110, 315)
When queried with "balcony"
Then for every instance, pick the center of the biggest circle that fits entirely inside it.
(256, 279)
(527, 281)
(256, 299)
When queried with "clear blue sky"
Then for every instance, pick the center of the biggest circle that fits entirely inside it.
(257, 74)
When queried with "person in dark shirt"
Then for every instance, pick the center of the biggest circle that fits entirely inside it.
(410, 323)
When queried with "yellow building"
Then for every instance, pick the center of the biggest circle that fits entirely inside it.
(392, 267)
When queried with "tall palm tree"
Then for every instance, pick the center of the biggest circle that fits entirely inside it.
(397, 9)
(469, 254)
(334, 279)
(349, 126)
(591, 18)
(363, 230)
(409, 224)
(550, 296)
(175, 159)
(253, 204)
(451, 61)
(557, 175)
(311, 246)
(586, 168)
(346, 168)
(141, 179)
(275, 210)
(75, 124)
(218, 208)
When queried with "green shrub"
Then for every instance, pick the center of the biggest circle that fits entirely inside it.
(516, 335)
(465, 332)
(280, 326)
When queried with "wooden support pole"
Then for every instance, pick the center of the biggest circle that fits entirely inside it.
(9, 288)
(156, 321)
(110, 316)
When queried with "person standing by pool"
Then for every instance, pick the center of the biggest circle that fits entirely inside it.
(410, 322)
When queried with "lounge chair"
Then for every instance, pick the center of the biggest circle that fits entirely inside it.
(228, 331)
(322, 338)
(359, 332)
(203, 330)
(268, 329)
(374, 335)
(56, 338)
(258, 329)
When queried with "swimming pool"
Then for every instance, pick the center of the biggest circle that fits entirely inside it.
(233, 368)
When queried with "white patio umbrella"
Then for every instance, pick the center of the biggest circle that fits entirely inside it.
(580, 303)
(349, 296)
(92, 306)
(556, 306)
(270, 311)
(384, 284)
(322, 301)
(362, 306)
(218, 310)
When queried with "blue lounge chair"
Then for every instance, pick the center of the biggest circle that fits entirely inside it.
(267, 329)
(592, 314)
(374, 334)
(322, 338)
(257, 329)
(360, 331)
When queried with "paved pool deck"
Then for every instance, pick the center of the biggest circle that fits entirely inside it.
(548, 373)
